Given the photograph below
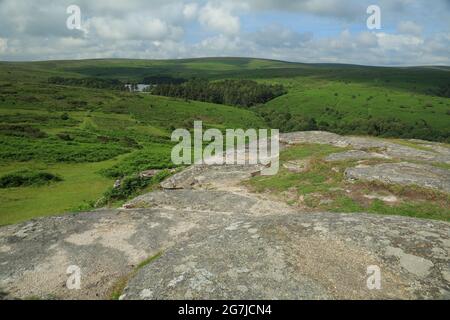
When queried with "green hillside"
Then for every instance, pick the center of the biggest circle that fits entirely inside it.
(90, 137)
(392, 102)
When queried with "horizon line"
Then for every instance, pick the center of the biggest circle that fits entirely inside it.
(230, 57)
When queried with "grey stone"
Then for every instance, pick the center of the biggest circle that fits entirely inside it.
(298, 256)
(416, 265)
(117, 184)
(148, 174)
(199, 200)
(355, 155)
(200, 176)
(437, 152)
(403, 173)
(297, 166)
(320, 137)
(385, 198)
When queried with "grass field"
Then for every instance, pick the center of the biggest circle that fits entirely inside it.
(90, 137)
(82, 183)
(345, 107)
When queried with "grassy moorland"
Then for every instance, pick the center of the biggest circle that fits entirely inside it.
(88, 137)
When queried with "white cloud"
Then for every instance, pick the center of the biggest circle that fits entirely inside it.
(409, 27)
(3, 45)
(277, 35)
(367, 39)
(190, 11)
(160, 29)
(219, 18)
(399, 42)
(218, 45)
(346, 9)
(133, 27)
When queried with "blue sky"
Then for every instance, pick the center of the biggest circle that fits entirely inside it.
(414, 32)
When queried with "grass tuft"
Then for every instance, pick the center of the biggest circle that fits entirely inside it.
(120, 285)
(27, 178)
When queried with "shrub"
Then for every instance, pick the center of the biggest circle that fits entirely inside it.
(18, 130)
(155, 156)
(130, 186)
(243, 93)
(97, 83)
(129, 142)
(64, 136)
(54, 149)
(78, 104)
(27, 178)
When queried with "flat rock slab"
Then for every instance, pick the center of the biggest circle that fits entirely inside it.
(433, 152)
(319, 137)
(106, 245)
(217, 201)
(199, 200)
(224, 252)
(355, 155)
(205, 176)
(403, 173)
(303, 256)
(297, 166)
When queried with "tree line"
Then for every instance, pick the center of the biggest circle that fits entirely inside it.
(162, 80)
(96, 83)
(389, 127)
(242, 93)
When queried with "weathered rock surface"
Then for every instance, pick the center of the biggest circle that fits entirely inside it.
(225, 252)
(302, 256)
(220, 241)
(223, 202)
(105, 245)
(204, 176)
(355, 155)
(403, 173)
(148, 174)
(319, 137)
(385, 198)
(297, 165)
(436, 153)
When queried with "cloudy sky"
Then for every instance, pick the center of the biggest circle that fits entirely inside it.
(414, 32)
